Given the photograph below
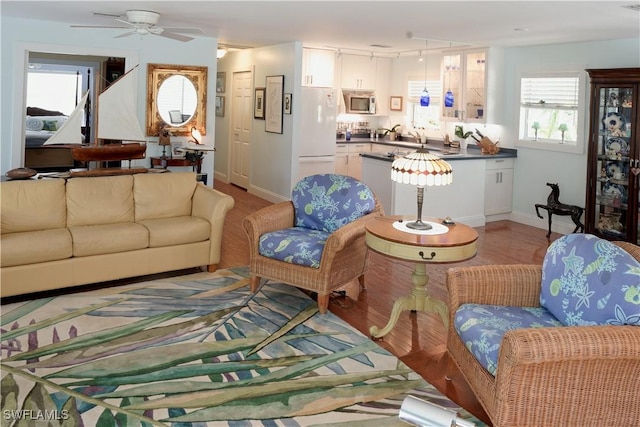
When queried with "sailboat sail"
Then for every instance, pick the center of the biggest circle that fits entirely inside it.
(117, 117)
(70, 131)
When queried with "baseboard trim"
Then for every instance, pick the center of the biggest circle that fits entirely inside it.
(557, 226)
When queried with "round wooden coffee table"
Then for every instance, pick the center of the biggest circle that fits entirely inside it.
(389, 236)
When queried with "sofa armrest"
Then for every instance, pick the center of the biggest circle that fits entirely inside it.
(212, 205)
(270, 218)
(594, 368)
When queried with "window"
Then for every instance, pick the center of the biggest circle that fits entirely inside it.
(550, 115)
(53, 90)
(424, 117)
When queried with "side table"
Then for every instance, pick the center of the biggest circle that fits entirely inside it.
(172, 161)
(388, 236)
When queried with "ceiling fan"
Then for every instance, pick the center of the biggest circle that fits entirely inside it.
(143, 22)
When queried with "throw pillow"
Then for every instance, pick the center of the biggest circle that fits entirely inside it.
(50, 125)
(590, 281)
(327, 202)
(34, 124)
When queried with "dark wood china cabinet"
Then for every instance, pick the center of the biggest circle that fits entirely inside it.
(613, 169)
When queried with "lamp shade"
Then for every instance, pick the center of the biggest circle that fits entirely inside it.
(421, 168)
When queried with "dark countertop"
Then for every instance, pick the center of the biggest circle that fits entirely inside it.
(436, 147)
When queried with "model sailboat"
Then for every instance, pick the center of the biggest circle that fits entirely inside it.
(116, 120)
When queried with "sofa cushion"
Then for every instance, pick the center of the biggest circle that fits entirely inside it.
(99, 200)
(481, 328)
(327, 202)
(590, 281)
(176, 231)
(32, 205)
(163, 195)
(296, 245)
(107, 239)
(31, 247)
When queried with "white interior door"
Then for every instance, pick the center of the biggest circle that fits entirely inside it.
(241, 129)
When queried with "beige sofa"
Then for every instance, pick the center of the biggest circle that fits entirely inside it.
(58, 233)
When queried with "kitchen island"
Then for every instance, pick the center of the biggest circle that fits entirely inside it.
(481, 190)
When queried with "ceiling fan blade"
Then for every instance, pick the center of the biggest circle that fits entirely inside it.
(185, 30)
(127, 34)
(124, 21)
(98, 26)
(174, 36)
(108, 15)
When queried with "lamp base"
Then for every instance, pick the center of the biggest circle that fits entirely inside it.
(419, 225)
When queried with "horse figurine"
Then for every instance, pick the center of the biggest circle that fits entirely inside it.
(554, 206)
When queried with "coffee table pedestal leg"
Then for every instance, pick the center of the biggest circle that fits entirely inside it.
(419, 300)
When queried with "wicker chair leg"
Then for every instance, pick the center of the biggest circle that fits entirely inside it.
(254, 283)
(323, 303)
(363, 286)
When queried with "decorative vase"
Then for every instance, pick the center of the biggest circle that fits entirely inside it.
(463, 144)
(393, 136)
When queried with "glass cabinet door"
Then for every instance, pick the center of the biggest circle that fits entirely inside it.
(615, 184)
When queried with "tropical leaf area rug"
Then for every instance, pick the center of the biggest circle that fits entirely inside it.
(196, 350)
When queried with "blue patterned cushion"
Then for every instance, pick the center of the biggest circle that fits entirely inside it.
(481, 328)
(327, 202)
(590, 281)
(294, 245)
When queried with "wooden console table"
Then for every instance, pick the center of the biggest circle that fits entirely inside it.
(159, 162)
(386, 236)
(171, 161)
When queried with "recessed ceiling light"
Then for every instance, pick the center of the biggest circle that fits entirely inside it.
(521, 29)
(635, 7)
(382, 46)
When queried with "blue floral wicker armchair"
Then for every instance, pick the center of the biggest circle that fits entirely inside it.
(316, 240)
(556, 344)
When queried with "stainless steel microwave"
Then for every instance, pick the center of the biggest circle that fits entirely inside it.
(359, 102)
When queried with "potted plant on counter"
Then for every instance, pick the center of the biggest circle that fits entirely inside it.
(460, 133)
(393, 132)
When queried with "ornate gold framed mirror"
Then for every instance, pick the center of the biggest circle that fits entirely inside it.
(176, 98)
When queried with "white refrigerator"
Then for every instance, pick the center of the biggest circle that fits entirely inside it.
(318, 131)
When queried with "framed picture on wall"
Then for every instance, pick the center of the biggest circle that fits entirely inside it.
(395, 103)
(220, 106)
(258, 105)
(287, 103)
(273, 98)
(221, 82)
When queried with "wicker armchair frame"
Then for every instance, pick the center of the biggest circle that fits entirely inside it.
(345, 256)
(564, 376)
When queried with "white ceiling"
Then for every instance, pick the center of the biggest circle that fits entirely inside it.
(357, 25)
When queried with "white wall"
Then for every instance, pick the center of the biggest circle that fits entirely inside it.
(20, 34)
(273, 156)
(534, 168)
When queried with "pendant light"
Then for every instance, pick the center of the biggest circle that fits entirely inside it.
(448, 97)
(425, 99)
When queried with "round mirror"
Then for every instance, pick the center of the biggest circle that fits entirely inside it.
(177, 100)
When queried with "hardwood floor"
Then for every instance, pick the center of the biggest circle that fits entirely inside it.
(418, 339)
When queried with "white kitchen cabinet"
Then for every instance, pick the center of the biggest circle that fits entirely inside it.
(342, 159)
(348, 160)
(462, 200)
(318, 68)
(498, 186)
(358, 72)
(465, 74)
